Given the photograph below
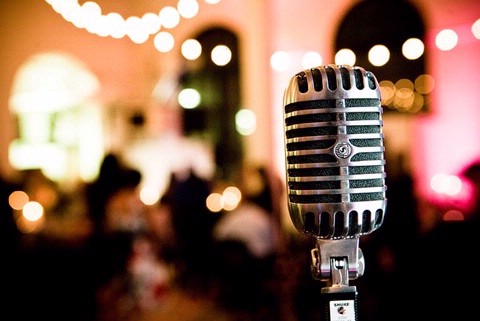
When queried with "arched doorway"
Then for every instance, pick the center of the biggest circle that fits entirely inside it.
(219, 89)
(58, 126)
(388, 23)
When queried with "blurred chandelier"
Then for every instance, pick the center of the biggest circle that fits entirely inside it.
(90, 17)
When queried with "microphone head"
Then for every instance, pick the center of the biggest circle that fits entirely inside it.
(334, 152)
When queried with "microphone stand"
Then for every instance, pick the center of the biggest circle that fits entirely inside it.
(336, 261)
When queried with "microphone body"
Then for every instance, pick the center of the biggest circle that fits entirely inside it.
(335, 170)
(335, 163)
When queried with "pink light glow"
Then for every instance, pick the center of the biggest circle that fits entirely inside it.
(445, 194)
(449, 138)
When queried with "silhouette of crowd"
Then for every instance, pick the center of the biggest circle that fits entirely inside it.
(177, 260)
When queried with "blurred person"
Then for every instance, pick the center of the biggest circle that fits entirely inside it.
(113, 202)
(98, 192)
(124, 211)
(159, 224)
(141, 285)
(192, 223)
(119, 219)
(247, 247)
(192, 293)
(150, 274)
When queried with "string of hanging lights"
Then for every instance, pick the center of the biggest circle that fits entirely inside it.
(89, 16)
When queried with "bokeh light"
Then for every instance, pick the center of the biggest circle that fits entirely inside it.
(446, 39)
(189, 98)
(311, 59)
(221, 55)
(246, 122)
(345, 56)
(191, 49)
(378, 55)
(413, 48)
(280, 61)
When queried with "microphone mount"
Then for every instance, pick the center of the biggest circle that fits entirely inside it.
(337, 261)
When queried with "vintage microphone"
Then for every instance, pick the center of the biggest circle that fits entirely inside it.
(335, 170)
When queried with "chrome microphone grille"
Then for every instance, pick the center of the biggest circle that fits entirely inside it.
(335, 161)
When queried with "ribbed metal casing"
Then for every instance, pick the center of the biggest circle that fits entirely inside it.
(334, 152)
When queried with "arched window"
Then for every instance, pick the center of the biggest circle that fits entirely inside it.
(59, 126)
(389, 23)
(217, 82)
